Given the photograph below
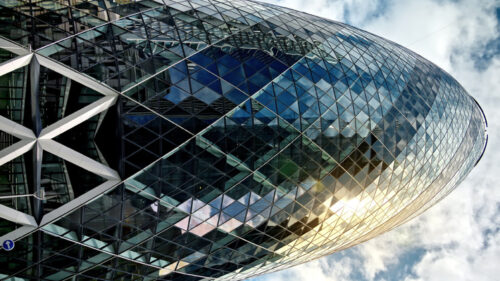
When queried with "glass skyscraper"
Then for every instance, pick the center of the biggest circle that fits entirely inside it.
(201, 139)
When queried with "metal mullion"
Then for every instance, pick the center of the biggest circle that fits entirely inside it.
(13, 47)
(14, 64)
(81, 272)
(29, 255)
(353, 111)
(79, 233)
(143, 147)
(98, 214)
(121, 143)
(101, 25)
(78, 77)
(304, 136)
(113, 48)
(115, 53)
(155, 81)
(207, 128)
(72, 22)
(416, 198)
(60, 253)
(106, 260)
(144, 126)
(114, 255)
(31, 15)
(161, 115)
(146, 30)
(196, 52)
(120, 224)
(279, 117)
(156, 86)
(139, 104)
(177, 189)
(153, 240)
(66, 208)
(250, 174)
(37, 150)
(93, 265)
(91, 65)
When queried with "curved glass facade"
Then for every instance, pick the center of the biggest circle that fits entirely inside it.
(188, 140)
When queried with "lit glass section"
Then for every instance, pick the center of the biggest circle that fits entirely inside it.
(190, 140)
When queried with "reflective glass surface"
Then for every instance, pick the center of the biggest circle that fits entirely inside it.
(198, 139)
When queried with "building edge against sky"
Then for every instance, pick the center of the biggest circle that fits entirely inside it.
(187, 140)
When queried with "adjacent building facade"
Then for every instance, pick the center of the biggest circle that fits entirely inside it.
(188, 140)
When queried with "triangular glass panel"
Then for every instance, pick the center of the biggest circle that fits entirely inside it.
(63, 181)
(14, 94)
(14, 177)
(146, 136)
(60, 96)
(81, 138)
(7, 226)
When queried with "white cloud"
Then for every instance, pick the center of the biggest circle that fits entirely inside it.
(341, 10)
(460, 263)
(318, 270)
(460, 235)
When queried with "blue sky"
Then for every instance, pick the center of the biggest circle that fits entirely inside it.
(459, 238)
